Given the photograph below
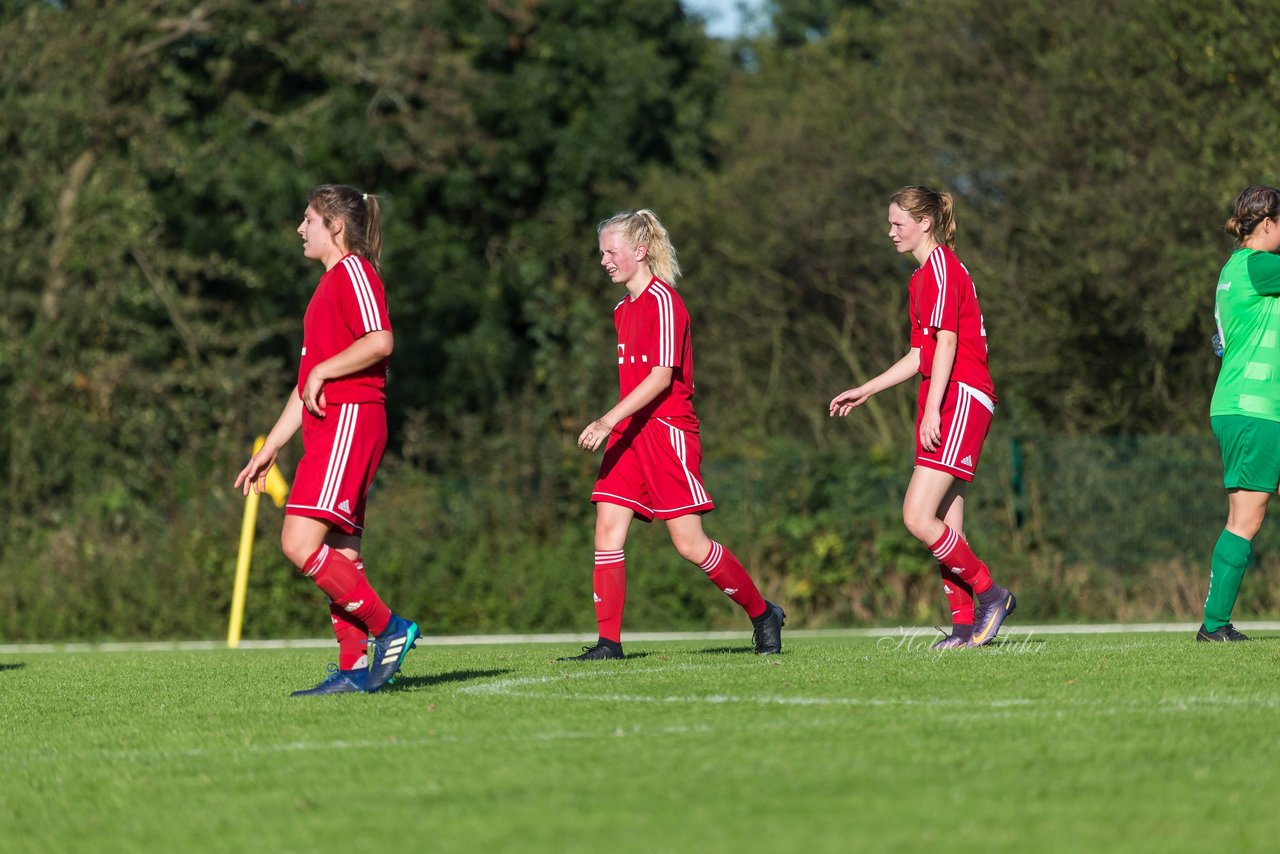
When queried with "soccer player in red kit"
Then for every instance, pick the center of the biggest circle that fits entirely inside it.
(651, 465)
(340, 406)
(955, 405)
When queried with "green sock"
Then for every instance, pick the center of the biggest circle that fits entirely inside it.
(1230, 559)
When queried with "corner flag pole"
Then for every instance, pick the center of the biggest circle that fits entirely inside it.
(278, 488)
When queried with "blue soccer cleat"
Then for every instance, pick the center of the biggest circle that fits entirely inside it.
(950, 641)
(991, 617)
(389, 650)
(337, 682)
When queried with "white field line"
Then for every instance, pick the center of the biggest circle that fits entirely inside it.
(1012, 631)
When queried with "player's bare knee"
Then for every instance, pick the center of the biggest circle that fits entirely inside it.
(692, 549)
(610, 537)
(919, 525)
(297, 552)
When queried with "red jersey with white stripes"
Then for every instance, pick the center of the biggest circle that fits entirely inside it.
(348, 304)
(943, 298)
(653, 331)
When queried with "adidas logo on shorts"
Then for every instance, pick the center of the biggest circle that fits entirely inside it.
(345, 506)
(967, 461)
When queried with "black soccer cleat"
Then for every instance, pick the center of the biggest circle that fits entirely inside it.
(767, 631)
(1226, 633)
(604, 649)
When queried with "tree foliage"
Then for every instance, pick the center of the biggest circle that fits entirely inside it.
(156, 158)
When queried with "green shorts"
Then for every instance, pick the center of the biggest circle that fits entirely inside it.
(1250, 452)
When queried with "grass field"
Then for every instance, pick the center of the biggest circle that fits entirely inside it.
(1126, 742)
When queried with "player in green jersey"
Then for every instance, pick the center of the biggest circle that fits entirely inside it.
(1245, 412)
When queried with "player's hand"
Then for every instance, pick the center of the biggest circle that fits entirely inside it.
(254, 474)
(313, 394)
(930, 429)
(593, 436)
(844, 402)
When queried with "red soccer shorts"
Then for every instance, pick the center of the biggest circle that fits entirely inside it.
(966, 418)
(653, 468)
(340, 454)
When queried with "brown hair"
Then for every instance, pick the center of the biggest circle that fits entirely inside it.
(921, 202)
(1253, 206)
(642, 226)
(358, 211)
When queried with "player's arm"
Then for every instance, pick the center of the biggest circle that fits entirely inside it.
(1264, 273)
(899, 372)
(944, 359)
(366, 351)
(658, 381)
(254, 474)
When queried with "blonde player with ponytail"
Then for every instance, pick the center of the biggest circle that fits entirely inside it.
(954, 410)
(339, 404)
(652, 458)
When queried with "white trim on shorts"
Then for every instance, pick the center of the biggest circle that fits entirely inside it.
(697, 491)
(966, 395)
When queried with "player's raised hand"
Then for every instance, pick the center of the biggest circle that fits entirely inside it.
(844, 402)
(593, 436)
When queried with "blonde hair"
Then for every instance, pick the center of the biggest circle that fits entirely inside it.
(642, 227)
(1253, 205)
(359, 211)
(921, 202)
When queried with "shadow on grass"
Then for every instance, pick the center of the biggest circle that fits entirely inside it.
(626, 657)
(404, 683)
(1014, 640)
(726, 650)
(18, 666)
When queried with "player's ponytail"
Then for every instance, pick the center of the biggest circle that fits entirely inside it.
(1252, 206)
(360, 214)
(643, 227)
(921, 202)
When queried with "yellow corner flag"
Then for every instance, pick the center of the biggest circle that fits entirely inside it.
(278, 488)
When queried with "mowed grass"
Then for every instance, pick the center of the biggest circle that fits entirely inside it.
(1040, 743)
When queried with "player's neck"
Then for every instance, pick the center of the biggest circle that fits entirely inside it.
(331, 258)
(637, 283)
(923, 251)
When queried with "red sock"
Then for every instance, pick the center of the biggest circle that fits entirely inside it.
(959, 597)
(727, 573)
(610, 582)
(352, 635)
(336, 574)
(953, 552)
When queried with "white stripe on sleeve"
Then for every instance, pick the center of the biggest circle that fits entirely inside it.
(364, 294)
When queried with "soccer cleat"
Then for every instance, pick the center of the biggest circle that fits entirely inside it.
(337, 682)
(604, 649)
(1226, 633)
(949, 641)
(767, 633)
(990, 618)
(389, 650)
